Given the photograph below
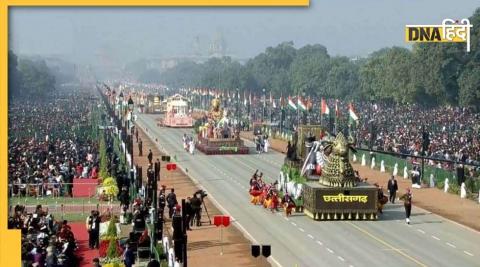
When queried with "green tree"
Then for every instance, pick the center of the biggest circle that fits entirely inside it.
(14, 76)
(37, 79)
(342, 79)
(150, 76)
(469, 81)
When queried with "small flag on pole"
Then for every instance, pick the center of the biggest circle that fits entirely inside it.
(301, 103)
(352, 113)
(291, 104)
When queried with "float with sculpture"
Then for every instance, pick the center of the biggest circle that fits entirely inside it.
(216, 133)
(331, 190)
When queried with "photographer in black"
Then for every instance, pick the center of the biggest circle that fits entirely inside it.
(196, 202)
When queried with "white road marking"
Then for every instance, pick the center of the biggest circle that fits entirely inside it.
(301, 229)
(320, 243)
(331, 251)
(340, 258)
(350, 265)
(421, 231)
(436, 238)
(311, 236)
(294, 224)
(468, 253)
(452, 245)
(287, 219)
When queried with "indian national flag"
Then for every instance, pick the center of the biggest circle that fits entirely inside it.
(352, 113)
(291, 103)
(325, 109)
(301, 104)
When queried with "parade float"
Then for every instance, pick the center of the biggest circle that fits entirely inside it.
(216, 135)
(329, 188)
(155, 104)
(178, 112)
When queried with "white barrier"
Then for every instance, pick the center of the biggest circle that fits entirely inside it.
(372, 166)
(463, 191)
(446, 186)
(395, 169)
(382, 166)
(405, 172)
(364, 162)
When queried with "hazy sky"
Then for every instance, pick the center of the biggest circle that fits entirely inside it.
(345, 27)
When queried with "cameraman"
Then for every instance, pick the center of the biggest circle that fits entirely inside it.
(196, 203)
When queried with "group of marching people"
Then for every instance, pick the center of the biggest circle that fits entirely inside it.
(261, 144)
(188, 144)
(267, 195)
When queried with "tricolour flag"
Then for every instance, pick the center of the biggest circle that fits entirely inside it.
(301, 104)
(291, 103)
(352, 113)
(324, 106)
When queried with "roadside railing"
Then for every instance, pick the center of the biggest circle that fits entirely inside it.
(43, 189)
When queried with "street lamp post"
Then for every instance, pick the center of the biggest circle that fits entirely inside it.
(130, 141)
(238, 111)
(263, 110)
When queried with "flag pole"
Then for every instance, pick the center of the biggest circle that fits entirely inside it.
(298, 111)
(321, 111)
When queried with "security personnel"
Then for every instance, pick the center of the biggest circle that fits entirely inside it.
(150, 180)
(157, 169)
(93, 228)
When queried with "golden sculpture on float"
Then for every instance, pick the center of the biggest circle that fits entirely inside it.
(216, 112)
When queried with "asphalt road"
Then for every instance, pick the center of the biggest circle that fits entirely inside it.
(298, 240)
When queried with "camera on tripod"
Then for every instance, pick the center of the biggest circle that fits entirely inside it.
(201, 194)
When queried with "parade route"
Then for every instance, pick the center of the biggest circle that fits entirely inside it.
(298, 240)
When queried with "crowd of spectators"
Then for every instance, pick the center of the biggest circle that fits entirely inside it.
(45, 241)
(50, 144)
(454, 132)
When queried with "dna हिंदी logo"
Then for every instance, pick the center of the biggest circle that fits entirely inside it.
(450, 31)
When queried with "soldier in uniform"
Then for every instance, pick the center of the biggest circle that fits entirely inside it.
(93, 228)
(407, 202)
(150, 180)
(140, 147)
